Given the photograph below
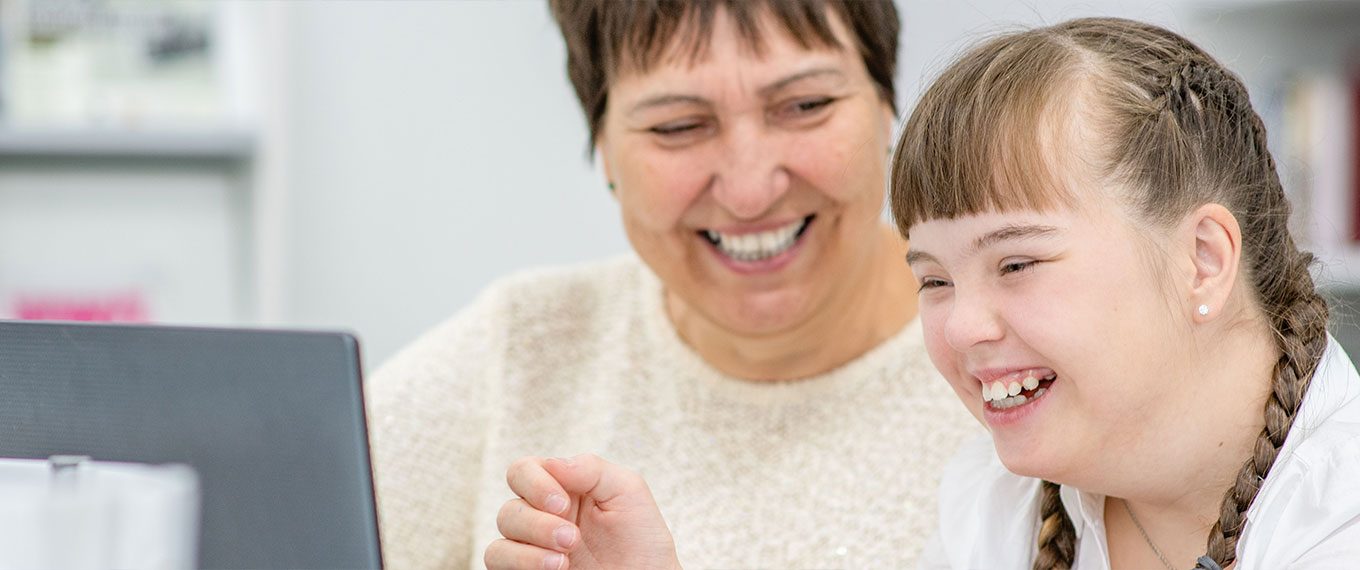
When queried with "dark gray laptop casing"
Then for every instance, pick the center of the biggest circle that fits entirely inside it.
(273, 422)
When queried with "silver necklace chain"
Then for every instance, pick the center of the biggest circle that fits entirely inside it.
(1155, 550)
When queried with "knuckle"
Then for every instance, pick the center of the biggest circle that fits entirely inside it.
(507, 512)
(495, 553)
(519, 468)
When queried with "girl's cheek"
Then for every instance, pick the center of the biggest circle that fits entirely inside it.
(937, 347)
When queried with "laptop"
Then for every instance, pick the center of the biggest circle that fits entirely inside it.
(272, 421)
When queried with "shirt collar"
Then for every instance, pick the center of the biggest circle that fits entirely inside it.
(1087, 511)
(1333, 388)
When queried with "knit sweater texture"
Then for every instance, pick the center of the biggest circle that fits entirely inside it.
(839, 470)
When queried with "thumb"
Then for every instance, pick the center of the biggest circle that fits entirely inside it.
(611, 487)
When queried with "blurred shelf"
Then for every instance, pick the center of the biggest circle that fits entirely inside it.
(1321, 6)
(32, 142)
(1325, 12)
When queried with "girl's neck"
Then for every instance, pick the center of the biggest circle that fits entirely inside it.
(1177, 495)
(865, 310)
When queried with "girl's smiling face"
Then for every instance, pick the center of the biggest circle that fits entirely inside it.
(1073, 299)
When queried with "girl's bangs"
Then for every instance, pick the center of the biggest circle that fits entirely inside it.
(988, 135)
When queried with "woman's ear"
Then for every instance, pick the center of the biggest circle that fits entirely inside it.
(889, 118)
(1215, 255)
(602, 151)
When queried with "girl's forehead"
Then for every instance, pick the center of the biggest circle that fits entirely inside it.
(959, 231)
(969, 233)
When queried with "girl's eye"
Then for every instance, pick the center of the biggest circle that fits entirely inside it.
(932, 283)
(1017, 266)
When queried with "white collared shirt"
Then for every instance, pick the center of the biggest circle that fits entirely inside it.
(1307, 514)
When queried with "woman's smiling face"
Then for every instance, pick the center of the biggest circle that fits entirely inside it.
(1073, 299)
(751, 182)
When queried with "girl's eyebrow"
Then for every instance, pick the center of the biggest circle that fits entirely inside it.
(1011, 232)
(1008, 232)
(916, 256)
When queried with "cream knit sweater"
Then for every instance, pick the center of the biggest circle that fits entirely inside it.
(834, 471)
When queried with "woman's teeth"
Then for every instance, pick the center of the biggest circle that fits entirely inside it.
(757, 246)
(1016, 389)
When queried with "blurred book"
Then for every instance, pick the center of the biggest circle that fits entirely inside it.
(1320, 117)
(127, 306)
(73, 513)
(111, 63)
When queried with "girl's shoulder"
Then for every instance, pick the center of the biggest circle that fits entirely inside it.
(1307, 514)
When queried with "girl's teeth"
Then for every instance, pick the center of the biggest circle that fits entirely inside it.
(1009, 392)
(998, 391)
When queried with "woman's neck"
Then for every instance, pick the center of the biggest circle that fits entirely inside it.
(865, 310)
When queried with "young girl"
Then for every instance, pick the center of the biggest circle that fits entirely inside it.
(1107, 282)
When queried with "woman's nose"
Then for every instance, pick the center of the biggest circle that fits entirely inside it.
(753, 174)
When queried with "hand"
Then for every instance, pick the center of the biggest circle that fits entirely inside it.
(582, 513)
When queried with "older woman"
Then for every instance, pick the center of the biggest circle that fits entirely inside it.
(758, 359)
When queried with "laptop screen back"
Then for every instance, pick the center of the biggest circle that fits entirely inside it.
(272, 421)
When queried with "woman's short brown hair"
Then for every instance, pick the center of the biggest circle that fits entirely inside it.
(605, 37)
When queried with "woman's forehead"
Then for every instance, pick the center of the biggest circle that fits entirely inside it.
(761, 36)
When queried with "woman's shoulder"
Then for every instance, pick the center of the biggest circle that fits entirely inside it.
(535, 308)
(982, 503)
(542, 298)
(549, 283)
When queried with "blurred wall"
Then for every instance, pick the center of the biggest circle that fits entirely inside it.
(433, 146)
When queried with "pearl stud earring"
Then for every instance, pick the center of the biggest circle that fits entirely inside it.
(1203, 310)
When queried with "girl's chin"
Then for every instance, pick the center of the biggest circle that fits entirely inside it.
(1027, 462)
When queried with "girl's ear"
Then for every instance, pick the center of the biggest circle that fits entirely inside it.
(1213, 240)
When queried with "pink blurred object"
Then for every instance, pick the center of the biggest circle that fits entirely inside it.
(123, 307)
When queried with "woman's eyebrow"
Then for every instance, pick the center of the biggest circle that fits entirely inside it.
(777, 85)
(666, 99)
(765, 92)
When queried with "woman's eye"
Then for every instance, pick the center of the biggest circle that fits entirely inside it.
(813, 104)
(804, 108)
(676, 128)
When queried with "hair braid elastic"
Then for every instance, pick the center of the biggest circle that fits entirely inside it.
(1057, 536)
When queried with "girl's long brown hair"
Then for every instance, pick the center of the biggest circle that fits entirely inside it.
(1178, 129)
